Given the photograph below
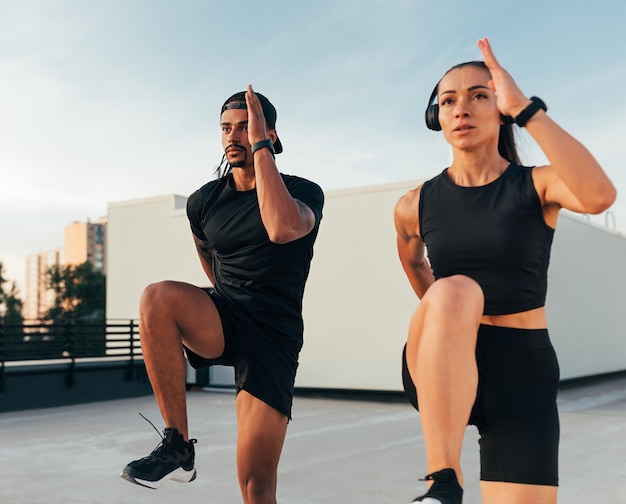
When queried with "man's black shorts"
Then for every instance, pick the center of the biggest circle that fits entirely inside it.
(263, 367)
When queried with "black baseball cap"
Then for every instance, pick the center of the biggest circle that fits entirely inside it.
(238, 101)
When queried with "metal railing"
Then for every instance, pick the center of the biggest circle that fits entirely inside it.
(42, 342)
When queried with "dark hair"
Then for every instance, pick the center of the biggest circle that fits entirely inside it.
(506, 140)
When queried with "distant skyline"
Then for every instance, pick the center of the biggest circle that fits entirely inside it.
(108, 101)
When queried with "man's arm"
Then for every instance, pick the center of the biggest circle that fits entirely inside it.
(285, 218)
(205, 253)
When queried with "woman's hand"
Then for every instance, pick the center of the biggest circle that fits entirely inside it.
(509, 98)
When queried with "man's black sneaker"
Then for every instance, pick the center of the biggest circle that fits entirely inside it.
(444, 490)
(172, 460)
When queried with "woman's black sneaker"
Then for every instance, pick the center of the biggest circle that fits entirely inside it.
(444, 490)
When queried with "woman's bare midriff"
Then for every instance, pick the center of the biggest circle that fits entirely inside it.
(531, 319)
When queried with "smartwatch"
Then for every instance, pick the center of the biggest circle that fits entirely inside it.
(262, 145)
(535, 106)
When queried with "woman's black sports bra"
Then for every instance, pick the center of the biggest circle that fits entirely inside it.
(495, 234)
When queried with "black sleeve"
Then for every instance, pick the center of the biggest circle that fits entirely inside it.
(194, 214)
(309, 193)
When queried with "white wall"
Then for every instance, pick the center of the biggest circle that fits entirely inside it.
(586, 302)
(358, 303)
(148, 240)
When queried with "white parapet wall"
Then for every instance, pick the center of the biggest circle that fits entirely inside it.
(586, 300)
(358, 302)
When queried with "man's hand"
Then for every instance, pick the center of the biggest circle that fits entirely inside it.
(257, 125)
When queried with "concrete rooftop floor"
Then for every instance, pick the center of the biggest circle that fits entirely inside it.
(337, 451)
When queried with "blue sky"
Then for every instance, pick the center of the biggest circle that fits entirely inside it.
(110, 100)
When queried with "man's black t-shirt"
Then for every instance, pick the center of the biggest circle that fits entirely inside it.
(262, 280)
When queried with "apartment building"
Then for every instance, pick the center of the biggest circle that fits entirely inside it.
(85, 241)
(38, 297)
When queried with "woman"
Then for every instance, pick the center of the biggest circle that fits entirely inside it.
(478, 349)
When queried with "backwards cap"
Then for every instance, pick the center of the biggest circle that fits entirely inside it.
(238, 101)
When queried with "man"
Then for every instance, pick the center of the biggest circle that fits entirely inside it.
(254, 229)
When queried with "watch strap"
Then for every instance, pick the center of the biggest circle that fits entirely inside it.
(536, 104)
(267, 143)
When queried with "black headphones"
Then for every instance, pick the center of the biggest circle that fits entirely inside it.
(432, 113)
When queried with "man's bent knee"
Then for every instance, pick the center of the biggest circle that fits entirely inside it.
(157, 292)
(157, 307)
(159, 297)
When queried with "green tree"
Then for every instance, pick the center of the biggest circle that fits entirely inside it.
(79, 293)
(78, 312)
(11, 329)
(10, 303)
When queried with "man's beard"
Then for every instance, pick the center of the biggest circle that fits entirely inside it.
(240, 163)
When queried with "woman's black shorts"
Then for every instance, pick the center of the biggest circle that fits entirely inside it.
(263, 367)
(515, 409)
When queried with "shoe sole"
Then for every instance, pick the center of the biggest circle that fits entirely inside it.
(179, 475)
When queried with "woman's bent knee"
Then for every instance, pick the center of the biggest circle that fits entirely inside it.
(454, 293)
(455, 302)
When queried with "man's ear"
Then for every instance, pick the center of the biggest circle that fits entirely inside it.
(273, 135)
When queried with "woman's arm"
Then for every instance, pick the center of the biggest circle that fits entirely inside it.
(410, 245)
(573, 180)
